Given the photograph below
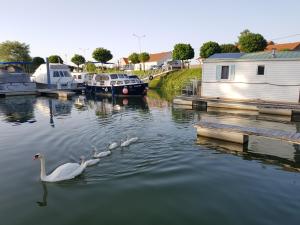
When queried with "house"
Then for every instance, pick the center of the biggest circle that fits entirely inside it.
(295, 46)
(156, 59)
(269, 76)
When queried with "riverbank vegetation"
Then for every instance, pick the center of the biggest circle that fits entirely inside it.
(172, 84)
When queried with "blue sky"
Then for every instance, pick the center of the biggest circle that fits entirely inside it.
(66, 27)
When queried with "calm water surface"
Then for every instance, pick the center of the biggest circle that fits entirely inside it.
(168, 177)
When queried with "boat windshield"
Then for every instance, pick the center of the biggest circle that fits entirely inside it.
(101, 77)
(113, 76)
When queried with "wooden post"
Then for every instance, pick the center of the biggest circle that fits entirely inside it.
(48, 73)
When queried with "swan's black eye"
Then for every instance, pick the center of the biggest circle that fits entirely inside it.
(36, 156)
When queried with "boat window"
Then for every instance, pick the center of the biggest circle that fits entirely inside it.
(127, 81)
(112, 82)
(125, 76)
(55, 74)
(67, 74)
(133, 81)
(119, 82)
(79, 77)
(121, 76)
(260, 70)
(61, 73)
(114, 76)
(101, 77)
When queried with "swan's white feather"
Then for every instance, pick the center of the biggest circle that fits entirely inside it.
(65, 172)
(92, 162)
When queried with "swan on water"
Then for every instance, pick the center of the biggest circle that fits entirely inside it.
(128, 141)
(134, 139)
(89, 162)
(113, 145)
(66, 171)
(101, 154)
(125, 143)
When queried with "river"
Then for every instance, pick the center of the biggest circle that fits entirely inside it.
(168, 177)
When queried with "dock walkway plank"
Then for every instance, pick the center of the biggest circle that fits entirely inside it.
(270, 133)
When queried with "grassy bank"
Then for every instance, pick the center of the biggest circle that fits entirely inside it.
(171, 85)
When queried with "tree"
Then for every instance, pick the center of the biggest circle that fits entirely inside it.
(144, 57)
(36, 62)
(134, 58)
(55, 59)
(183, 52)
(102, 55)
(78, 60)
(229, 48)
(90, 67)
(251, 42)
(11, 51)
(209, 48)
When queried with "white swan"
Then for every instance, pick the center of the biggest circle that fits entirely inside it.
(113, 145)
(134, 139)
(66, 171)
(101, 154)
(125, 143)
(89, 162)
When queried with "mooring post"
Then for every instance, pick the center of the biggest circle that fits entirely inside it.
(48, 73)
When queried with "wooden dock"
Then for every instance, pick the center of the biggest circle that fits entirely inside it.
(66, 94)
(239, 134)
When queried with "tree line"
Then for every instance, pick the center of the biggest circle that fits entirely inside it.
(247, 42)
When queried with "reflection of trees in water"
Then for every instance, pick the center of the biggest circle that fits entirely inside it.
(183, 115)
(18, 109)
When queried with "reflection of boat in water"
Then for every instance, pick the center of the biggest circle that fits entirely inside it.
(259, 148)
(107, 105)
(18, 109)
(54, 107)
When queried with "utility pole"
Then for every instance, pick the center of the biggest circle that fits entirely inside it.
(139, 37)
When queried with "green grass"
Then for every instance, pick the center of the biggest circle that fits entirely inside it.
(172, 84)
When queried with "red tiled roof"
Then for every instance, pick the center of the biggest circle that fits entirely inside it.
(159, 56)
(126, 60)
(284, 46)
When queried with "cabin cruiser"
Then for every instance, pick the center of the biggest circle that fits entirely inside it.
(14, 82)
(60, 77)
(117, 84)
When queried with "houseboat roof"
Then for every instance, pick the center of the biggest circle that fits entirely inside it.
(256, 56)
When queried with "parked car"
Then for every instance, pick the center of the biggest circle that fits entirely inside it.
(174, 64)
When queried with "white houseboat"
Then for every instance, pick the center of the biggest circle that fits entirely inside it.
(117, 84)
(268, 76)
(60, 77)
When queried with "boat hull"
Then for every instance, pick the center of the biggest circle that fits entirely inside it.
(123, 90)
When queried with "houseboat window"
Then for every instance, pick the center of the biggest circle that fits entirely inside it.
(66, 73)
(119, 82)
(121, 76)
(79, 77)
(261, 70)
(112, 82)
(55, 74)
(101, 77)
(61, 73)
(225, 72)
(127, 81)
(114, 76)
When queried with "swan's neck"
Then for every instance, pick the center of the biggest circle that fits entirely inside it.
(43, 169)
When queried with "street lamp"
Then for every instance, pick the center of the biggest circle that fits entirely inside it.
(139, 37)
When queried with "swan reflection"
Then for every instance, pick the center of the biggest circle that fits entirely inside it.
(43, 203)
